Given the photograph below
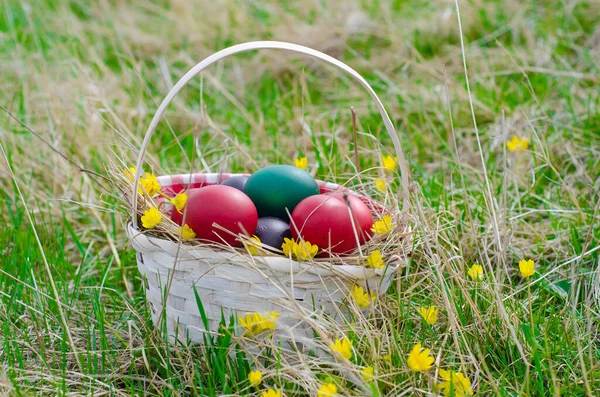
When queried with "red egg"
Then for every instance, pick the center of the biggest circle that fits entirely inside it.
(325, 220)
(222, 205)
(360, 211)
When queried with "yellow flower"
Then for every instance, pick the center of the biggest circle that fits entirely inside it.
(383, 226)
(255, 323)
(342, 347)
(476, 272)
(327, 390)
(252, 322)
(527, 268)
(288, 246)
(367, 373)
(455, 382)
(375, 260)
(187, 233)
(151, 218)
(179, 201)
(517, 144)
(303, 250)
(255, 377)
(361, 297)
(130, 173)
(253, 245)
(150, 184)
(429, 314)
(419, 360)
(380, 184)
(270, 320)
(301, 162)
(389, 163)
(271, 393)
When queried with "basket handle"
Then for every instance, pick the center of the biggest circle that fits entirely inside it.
(256, 45)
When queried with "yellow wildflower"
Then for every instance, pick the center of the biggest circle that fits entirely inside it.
(327, 390)
(389, 163)
(429, 314)
(383, 226)
(187, 233)
(380, 184)
(517, 144)
(342, 347)
(301, 162)
(361, 297)
(130, 173)
(527, 268)
(270, 320)
(255, 377)
(255, 323)
(252, 322)
(151, 218)
(271, 393)
(303, 250)
(375, 260)
(476, 272)
(179, 201)
(367, 373)
(253, 245)
(150, 184)
(456, 384)
(288, 246)
(419, 360)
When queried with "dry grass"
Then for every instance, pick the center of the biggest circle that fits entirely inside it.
(87, 79)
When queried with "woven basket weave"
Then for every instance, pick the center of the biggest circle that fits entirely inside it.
(233, 282)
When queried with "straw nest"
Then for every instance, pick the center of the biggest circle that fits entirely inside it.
(393, 246)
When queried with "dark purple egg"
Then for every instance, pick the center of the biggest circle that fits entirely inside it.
(271, 231)
(238, 182)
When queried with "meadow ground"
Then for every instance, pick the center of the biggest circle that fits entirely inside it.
(86, 79)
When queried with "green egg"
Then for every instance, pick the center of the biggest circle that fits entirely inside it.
(275, 188)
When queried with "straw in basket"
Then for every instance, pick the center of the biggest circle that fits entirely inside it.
(230, 282)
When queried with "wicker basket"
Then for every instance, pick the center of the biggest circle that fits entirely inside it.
(233, 283)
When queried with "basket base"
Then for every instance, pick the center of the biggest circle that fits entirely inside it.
(193, 289)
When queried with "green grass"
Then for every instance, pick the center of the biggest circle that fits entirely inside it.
(88, 77)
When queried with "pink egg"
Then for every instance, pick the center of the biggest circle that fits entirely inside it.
(222, 205)
(325, 220)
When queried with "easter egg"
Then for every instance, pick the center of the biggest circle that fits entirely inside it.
(271, 231)
(360, 211)
(222, 205)
(279, 187)
(238, 182)
(325, 220)
(176, 216)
